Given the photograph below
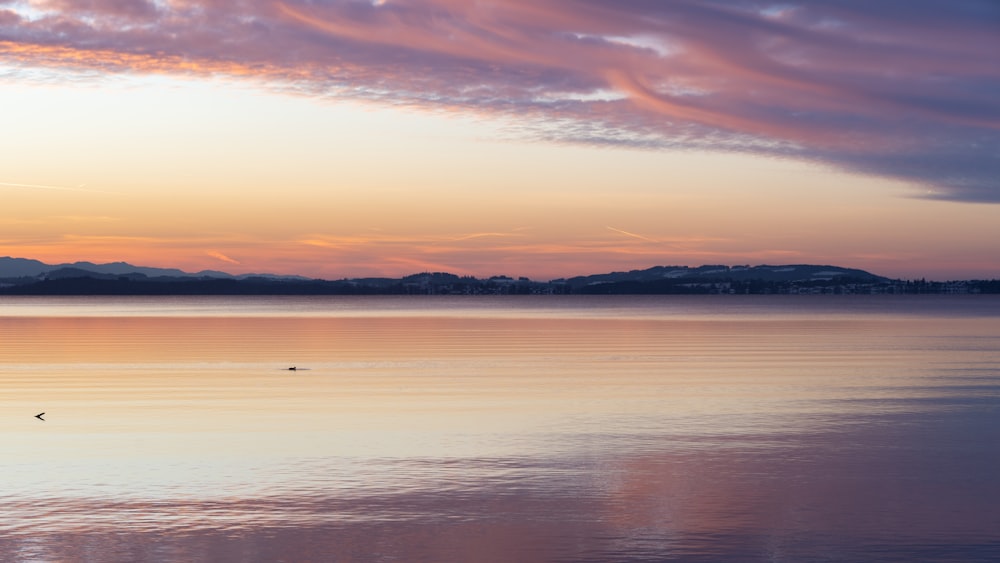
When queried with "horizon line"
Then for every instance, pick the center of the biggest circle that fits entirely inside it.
(515, 277)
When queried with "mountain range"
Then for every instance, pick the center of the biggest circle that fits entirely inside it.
(783, 273)
(26, 267)
(31, 277)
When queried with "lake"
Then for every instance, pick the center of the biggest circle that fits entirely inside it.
(545, 428)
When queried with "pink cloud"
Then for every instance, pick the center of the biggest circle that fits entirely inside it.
(129, 9)
(220, 256)
(904, 89)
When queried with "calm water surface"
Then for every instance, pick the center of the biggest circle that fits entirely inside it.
(511, 429)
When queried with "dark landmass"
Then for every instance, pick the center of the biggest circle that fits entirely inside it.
(25, 267)
(20, 276)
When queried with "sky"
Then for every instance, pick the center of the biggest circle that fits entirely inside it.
(355, 138)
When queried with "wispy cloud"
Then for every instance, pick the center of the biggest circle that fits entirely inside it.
(632, 235)
(472, 236)
(517, 252)
(220, 256)
(377, 238)
(898, 88)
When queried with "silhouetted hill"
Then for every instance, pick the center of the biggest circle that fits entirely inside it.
(20, 276)
(24, 267)
(684, 279)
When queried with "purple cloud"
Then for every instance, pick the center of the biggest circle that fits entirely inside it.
(901, 89)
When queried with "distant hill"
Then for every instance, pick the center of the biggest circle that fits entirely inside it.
(664, 277)
(21, 276)
(25, 267)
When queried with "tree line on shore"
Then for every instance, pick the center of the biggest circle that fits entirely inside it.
(450, 284)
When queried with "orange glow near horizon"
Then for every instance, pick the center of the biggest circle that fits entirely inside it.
(650, 146)
(547, 223)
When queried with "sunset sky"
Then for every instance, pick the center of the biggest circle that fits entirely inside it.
(350, 138)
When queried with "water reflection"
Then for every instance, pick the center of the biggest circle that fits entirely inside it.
(470, 437)
(844, 495)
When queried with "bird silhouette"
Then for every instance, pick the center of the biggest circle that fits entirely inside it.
(293, 368)
(39, 416)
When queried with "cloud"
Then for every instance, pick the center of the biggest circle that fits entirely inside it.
(472, 236)
(632, 235)
(515, 252)
(904, 89)
(220, 256)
